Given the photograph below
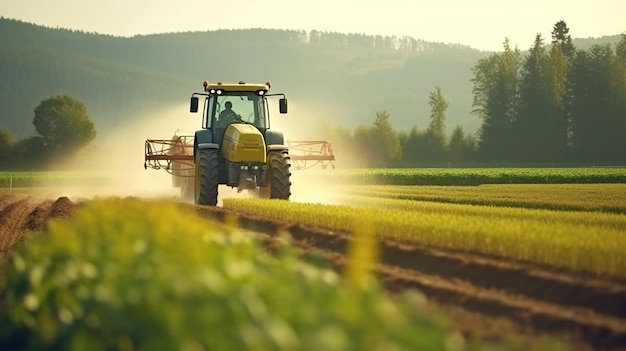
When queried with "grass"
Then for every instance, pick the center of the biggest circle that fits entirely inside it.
(477, 176)
(380, 176)
(571, 197)
(20, 179)
(579, 241)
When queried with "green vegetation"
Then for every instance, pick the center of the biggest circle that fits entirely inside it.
(571, 197)
(555, 104)
(477, 176)
(125, 274)
(64, 129)
(47, 179)
(6, 147)
(120, 78)
(584, 241)
(63, 124)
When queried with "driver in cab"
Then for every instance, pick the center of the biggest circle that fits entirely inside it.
(228, 116)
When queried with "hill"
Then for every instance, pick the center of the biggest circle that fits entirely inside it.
(341, 79)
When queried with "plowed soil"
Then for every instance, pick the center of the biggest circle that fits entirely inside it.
(486, 296)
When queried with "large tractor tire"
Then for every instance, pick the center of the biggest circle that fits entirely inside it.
(207, 164)
(279, 175)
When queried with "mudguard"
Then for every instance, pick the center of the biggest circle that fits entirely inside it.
(203, 136)
(203, 139)
(274, 138)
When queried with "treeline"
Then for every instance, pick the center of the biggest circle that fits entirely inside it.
(380, 145)
(555, 105)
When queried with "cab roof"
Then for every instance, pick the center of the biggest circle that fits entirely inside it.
(241, 86)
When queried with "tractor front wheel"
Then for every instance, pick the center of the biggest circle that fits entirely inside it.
(207, 164)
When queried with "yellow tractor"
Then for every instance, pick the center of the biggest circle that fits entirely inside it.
(235, 146)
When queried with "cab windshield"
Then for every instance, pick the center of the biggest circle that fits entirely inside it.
(239, 107)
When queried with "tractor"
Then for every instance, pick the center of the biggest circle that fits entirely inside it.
(235, 146)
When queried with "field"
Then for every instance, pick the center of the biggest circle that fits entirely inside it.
(35, 179)
(581, 241)
(478, 176)
(510, 261)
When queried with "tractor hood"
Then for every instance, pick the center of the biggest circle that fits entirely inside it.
(243, 143)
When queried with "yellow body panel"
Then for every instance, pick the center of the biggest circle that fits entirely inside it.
(243, 143)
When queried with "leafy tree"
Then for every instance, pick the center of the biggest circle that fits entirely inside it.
(599, 105)
(436, 134)
(413, 148)
(558, 111)
(461, 147)
(621, 49)
(438, 106)
(562, 39)
(495, 88)
(540, 126)
(63, 124)
(30, 153)
(6, 147)
(562, 92)
(385, 140)
(581, 103)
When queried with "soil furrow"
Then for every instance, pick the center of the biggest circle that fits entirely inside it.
(12, 218)
(576, 290)
(581, 306)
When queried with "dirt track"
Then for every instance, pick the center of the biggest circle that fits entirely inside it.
(486, 295)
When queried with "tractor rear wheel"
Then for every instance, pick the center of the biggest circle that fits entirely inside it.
(279, 174)
(207, 164)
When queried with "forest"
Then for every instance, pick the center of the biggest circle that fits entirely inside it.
(562, 101)
(553, 105)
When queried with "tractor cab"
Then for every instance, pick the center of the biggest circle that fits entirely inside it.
(242, 103)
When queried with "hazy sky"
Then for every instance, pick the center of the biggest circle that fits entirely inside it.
(482, 24)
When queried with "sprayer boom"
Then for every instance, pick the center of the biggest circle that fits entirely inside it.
(161, 153)
(306, 154)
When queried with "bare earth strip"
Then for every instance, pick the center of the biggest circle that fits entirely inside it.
(487, 294)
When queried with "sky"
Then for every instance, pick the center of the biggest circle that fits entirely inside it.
(481, 24)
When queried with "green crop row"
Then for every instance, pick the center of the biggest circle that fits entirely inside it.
(581, 241)
(125, 274)
(477, 176)
(52, 178)
(572, 197)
